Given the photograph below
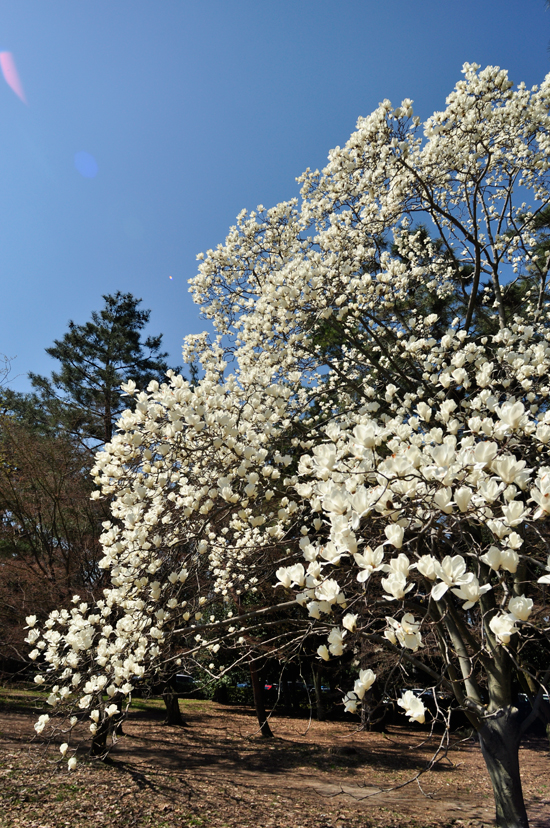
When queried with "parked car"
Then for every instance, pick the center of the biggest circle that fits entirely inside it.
(185, 683)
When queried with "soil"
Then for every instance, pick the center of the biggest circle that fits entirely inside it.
(219, 773)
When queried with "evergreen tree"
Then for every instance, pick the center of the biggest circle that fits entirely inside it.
(84, 397)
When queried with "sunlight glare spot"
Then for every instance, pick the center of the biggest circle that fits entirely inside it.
(11, 76)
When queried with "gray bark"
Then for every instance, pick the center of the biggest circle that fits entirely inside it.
(173, 712)
(499, 738)
(257, 689)
(316, 674)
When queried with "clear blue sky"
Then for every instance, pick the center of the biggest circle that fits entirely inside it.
(193, 110)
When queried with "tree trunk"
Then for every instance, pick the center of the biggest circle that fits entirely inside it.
(259, 702)
(99, 741)
(108, 727)
(499, 738)
(365, 715)
(316, 674)
(171, 702)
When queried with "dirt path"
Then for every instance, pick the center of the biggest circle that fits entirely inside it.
(218, 772)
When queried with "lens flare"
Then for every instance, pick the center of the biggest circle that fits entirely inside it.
(7, 64)
(86, 164)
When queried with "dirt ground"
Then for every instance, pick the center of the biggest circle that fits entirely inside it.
(219, 772)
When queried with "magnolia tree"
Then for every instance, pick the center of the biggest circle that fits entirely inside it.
(372, 423)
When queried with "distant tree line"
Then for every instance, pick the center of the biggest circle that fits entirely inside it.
(49, 526)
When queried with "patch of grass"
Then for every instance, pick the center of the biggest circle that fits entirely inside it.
(147, 704)
(154, 705)
(199, 705)
(21, 699)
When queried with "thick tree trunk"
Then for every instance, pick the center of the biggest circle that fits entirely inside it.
(316, 675)
(99, 741)
(173, 712)
(171, 702)
(499, 738)
(99, 747)
(259, 702)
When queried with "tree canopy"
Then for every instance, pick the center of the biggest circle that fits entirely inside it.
(388, 461)
(49, 529)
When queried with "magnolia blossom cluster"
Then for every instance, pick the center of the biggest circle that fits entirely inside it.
(415, 478)
(184, 459)
(273, 278)
(383, 465)
(407, 481)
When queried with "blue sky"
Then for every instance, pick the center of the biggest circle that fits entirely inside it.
(193, 111)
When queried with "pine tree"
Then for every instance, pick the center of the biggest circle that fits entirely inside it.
(84, 397)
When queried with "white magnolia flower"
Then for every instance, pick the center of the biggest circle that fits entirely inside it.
(400, 565)
(336, 641)
(41, 723)
(337, 501)
(514, 541)
(349, 621)
(509, 560)
(485, 453)
(350, 703)
(427, 566)
(72, 763)
(471, 592)
(503, 627)
(540, 493)
(406, 632)
(462, 498)
(314, 609)
(365, 435)
(498, 558)
(511, 470)
(329, 591)
(363, 684)
(443, 499)
(413, 706)
(520, 607)
(511, 414)
(451, 572)
(368, 561)
(424, 411)
(323, 652)
(514, 513)
(396, 585)
(297, 574)
(284, 576)
(545, 579)
(334, 553)
(394, 534)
